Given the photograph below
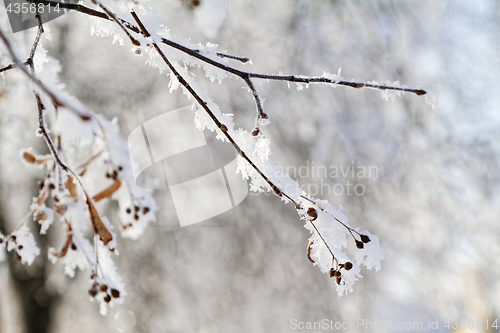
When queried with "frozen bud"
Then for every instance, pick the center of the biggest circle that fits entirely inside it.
(339, 279)
(365, 238)
(93, 291)
(264, 116)
(420, 92)
(332, 272)
(136, 208)
(360, 244)
(60, 209)
(73, 246)
(115, 293)
(337, 274)
(103, 288)
(145, 210)
(312, 213)
(348, 266)
(277, 192)
(40, 216)
(136, 217)
(107, 298)
(128, 210)
(255, 132)
(223, 128)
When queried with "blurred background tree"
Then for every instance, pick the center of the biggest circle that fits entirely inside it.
(434, 202)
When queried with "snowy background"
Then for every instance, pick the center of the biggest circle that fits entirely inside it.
(435, 202)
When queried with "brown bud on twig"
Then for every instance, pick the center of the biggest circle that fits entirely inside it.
(136, 217)
(103, 288)
(312, 213)
(264, 116)
(365, 238)
(255, 132)
(337, 274)
(339, 279)
(359, 244)
(420, 92)
(136, 208)
(223, 128)
(128, 210)
(107, 298)
(145, 210)
(332, 272)
(348, 266)
(93, 291)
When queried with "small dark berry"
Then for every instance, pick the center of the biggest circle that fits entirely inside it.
(312, 213)
(332, 272)
(115, 293)
(339, 279)
(136, 217)
(145, 210)
(73, 246)
(128, 211)
(360, 244)
(93, 291)
(107, 298)
(103, 288)
(348, 266)
(365, 238)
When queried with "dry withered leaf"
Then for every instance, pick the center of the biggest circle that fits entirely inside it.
(32, 159)
(97, 224)
(65, 248)
(108, 191)
(309, 251)
(71, 186)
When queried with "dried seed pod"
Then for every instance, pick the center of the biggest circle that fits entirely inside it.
(338, 274)
(103, 288)
(145, 210)
(255, 132)
(365, 238)
(312, 213)
(107, 298)
(115, 293)
(339, 279)
(359, 244)
(332, 272)
(348, 266)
